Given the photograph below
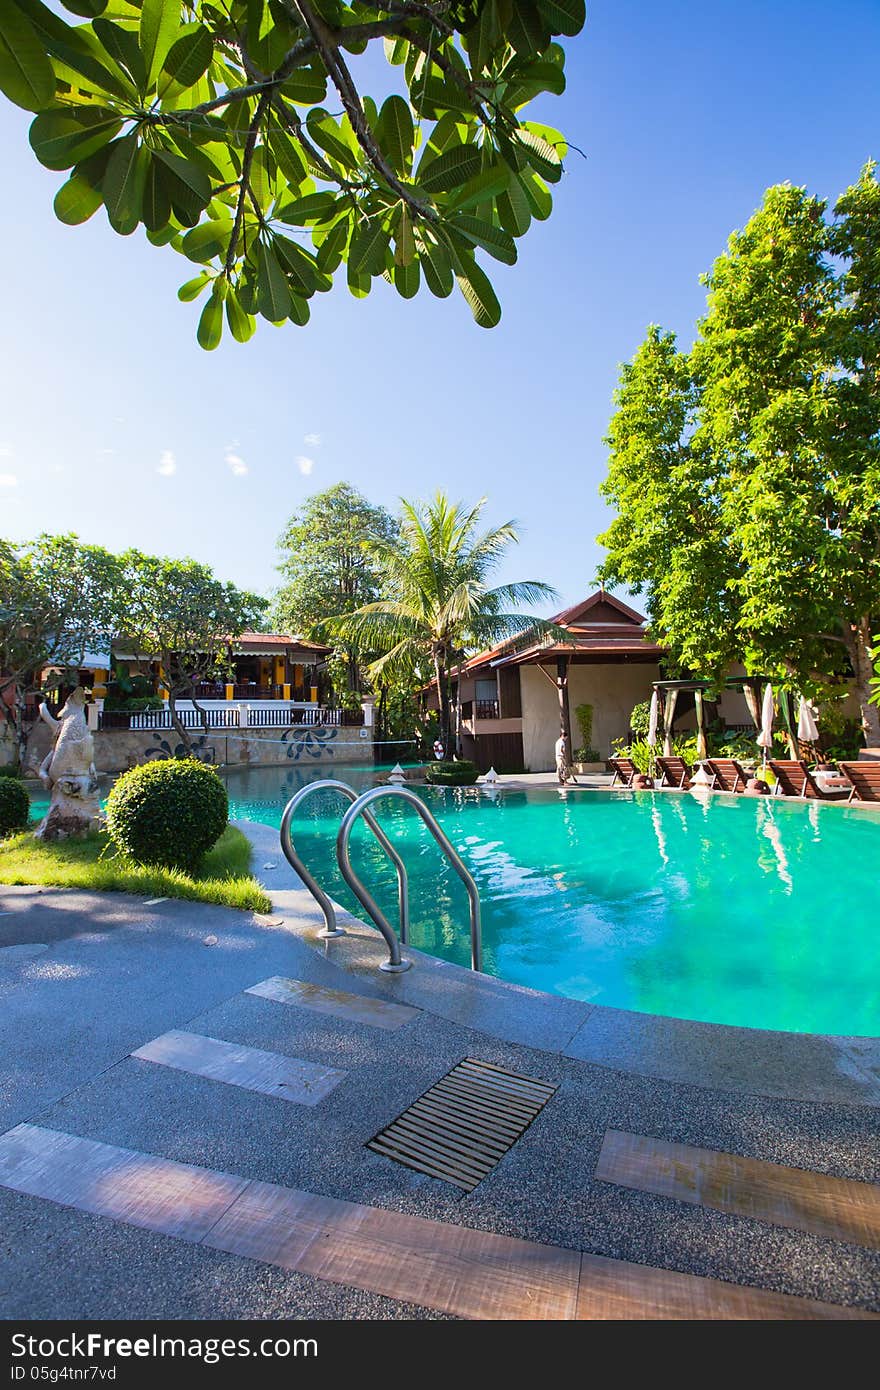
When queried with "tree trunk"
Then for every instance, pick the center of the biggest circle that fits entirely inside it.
(458, 743)
(181, 732)
(859, 642)
(442, 677)
(564, 708)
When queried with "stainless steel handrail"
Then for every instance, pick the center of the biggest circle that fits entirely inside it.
(331, 926)
(360, 808)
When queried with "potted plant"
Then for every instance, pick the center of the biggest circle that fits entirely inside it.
(586, 758)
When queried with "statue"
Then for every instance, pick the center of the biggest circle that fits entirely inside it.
(68, 770)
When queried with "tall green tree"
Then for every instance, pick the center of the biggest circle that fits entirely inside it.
(237, 134)
(436, 600)
(329, 572)
(746, 474)
(56, 604)
(179, 613)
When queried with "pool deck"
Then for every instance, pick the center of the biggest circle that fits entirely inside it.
(139, 1185)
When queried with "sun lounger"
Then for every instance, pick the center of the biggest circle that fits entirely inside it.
(624, 768)
(794, 778)
(726, 773)
(864, 780)
(674, 772)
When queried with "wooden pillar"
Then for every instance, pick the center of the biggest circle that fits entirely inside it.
(562, 664)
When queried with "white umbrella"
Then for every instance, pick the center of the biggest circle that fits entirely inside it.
(808, 729)
(765, 737)
(652, 721)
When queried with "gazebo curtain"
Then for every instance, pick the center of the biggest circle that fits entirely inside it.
(668, 720)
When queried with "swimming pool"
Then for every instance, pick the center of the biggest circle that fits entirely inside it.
(727, 910)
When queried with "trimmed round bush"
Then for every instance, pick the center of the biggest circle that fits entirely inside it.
(15, 805)
(452, 774)
(169, 812)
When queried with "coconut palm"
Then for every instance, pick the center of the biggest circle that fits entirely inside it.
(435, 601)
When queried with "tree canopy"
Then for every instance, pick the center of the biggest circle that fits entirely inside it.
(746, 473)
(216, 128)
(328, 571)
(436, 599)
(56, 604)
(179, 613)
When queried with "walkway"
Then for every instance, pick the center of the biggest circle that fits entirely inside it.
(224, 1171)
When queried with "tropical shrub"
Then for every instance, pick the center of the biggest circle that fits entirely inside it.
(15, 805)
(587, 755)
(452, 774)
(11, 770)
(168, 812)
(639, 719)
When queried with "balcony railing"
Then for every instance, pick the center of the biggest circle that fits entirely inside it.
(249, 690)
(233, 717)
(486, 709)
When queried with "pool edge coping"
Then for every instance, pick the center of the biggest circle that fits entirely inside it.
(814, 1068)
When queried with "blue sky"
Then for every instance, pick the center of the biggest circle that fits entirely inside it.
(114, 423)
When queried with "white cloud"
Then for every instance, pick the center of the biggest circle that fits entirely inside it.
(236, 464)
(305, 465)
(106, 451)
(5, 451)
(8, 480)
(167, 465)
(311, 440)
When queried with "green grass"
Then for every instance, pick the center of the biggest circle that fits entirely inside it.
(93, 863)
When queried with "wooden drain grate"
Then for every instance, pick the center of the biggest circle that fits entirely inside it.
(460, 1128)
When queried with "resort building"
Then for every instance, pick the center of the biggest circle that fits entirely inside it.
(514, 696)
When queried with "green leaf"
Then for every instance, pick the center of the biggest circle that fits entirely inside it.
(368, 246)
(528, 31)
(495, 240)
(272, 288)
(326, 133)
(306, 86)
(404, 244)
(437, 268)
(26, 75)
(288, 157)
(123, 47)
(190, 56)
(513, 209)
(124, 184)
(160, 20)
(482, 189)
(358, 283)
(396, 50)
(61, 139)
(210, 329)
(189, 187)
(87, 8)
(208, 240)
(157, 198)
(406, 279)
(77, 49)
(451, 169)
(299, 311)
(564, 16)
(314, 207)
(542, 156)
(193, 288)
(241, 324)
(298, 263)
(331, 249)
(538, 195)
(478, 292)
(76, 201)
(395, 134)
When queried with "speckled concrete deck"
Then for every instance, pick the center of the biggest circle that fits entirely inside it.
(115, 974)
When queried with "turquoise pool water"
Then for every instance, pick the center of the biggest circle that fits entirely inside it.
(740, 911)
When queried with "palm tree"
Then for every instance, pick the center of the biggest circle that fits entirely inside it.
(436, 602)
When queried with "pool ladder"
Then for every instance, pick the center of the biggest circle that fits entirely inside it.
(361, 807)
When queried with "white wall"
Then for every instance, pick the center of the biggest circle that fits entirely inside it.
(612, 689)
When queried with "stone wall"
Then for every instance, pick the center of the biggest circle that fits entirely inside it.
(118, 749)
